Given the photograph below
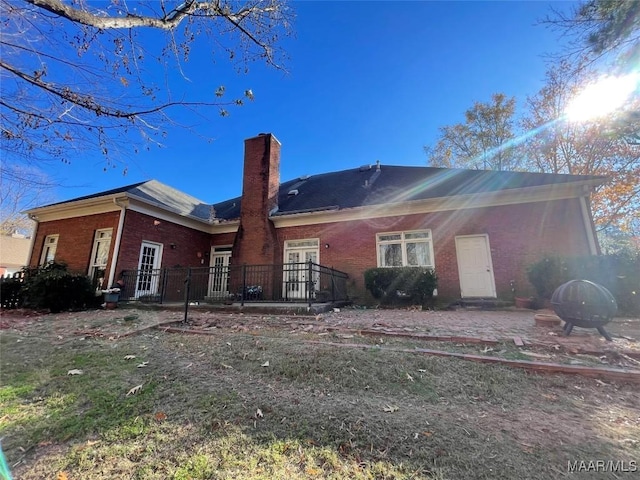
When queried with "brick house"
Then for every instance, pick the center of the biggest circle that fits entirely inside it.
(478, 229)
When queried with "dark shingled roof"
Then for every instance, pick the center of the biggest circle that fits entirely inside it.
(356, 187)
(392, 184)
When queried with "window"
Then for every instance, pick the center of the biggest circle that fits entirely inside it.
(405, 249)
(49, 249)
(100, 256)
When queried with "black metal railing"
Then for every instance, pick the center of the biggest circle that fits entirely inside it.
(304, 282)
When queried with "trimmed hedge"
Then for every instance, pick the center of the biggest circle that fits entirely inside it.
(618, 273)
(401, 284)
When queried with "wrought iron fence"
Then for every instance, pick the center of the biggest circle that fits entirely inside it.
(305, 282)
(10, 285)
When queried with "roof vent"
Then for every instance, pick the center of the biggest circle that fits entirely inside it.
(293, 192)
(364, 168)
(377, 165)
(304, 177)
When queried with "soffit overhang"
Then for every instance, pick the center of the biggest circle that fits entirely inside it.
(514, 196)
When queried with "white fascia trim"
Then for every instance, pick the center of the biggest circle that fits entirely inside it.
(226, 227)
(81, 208)
(443, 204)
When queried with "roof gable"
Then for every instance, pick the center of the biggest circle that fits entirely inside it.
(171, 199)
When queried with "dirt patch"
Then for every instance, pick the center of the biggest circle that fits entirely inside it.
(507, 326)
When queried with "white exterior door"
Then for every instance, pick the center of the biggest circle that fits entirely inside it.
(219, 276)
(297, 283)
(475, 267)
(149, 269)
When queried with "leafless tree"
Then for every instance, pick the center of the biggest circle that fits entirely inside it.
(21, 188)
(80, 76)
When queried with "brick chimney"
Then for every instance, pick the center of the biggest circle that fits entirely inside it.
(256, 242)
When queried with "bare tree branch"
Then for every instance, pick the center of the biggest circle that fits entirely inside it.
(75, 75)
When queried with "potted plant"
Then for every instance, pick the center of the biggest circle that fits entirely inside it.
(111, 297)
(520, 302)
(524, 302)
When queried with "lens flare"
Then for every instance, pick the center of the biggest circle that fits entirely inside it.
(603, 97)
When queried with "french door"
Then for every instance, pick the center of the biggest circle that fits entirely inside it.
(148, 279)
(219, 272)
(299, 283)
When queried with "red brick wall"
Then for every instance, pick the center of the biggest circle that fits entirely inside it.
(518, 236)
(75, 241)
(256, 241)
(188, 242)
(223, 239)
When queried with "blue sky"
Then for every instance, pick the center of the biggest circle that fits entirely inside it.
(366, 81)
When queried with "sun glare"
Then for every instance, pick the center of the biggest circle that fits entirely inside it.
(602, 97)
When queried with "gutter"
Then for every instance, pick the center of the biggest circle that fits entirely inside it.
(116, 248)
(33, 237)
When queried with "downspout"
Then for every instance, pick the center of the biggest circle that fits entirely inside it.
(589, 226)
(116, 247)
(33, 218)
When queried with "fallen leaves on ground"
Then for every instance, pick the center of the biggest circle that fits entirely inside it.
(265, 364)
(143, 364)
(75, 371)
(391, 408)
(134, 390)
(129, 357)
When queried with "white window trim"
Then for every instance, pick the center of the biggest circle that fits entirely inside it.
(43, 255)
(94, 249)
(403, 246)
(288, 247)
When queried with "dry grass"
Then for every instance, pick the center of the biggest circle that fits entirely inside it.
(209, 409)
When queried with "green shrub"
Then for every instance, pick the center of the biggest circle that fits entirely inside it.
(547, 275)
(618, 273)
(53, 287)
(401, 284)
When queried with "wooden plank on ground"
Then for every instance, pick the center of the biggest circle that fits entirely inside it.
(518, 341)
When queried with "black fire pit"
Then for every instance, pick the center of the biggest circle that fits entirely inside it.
(581, 303)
